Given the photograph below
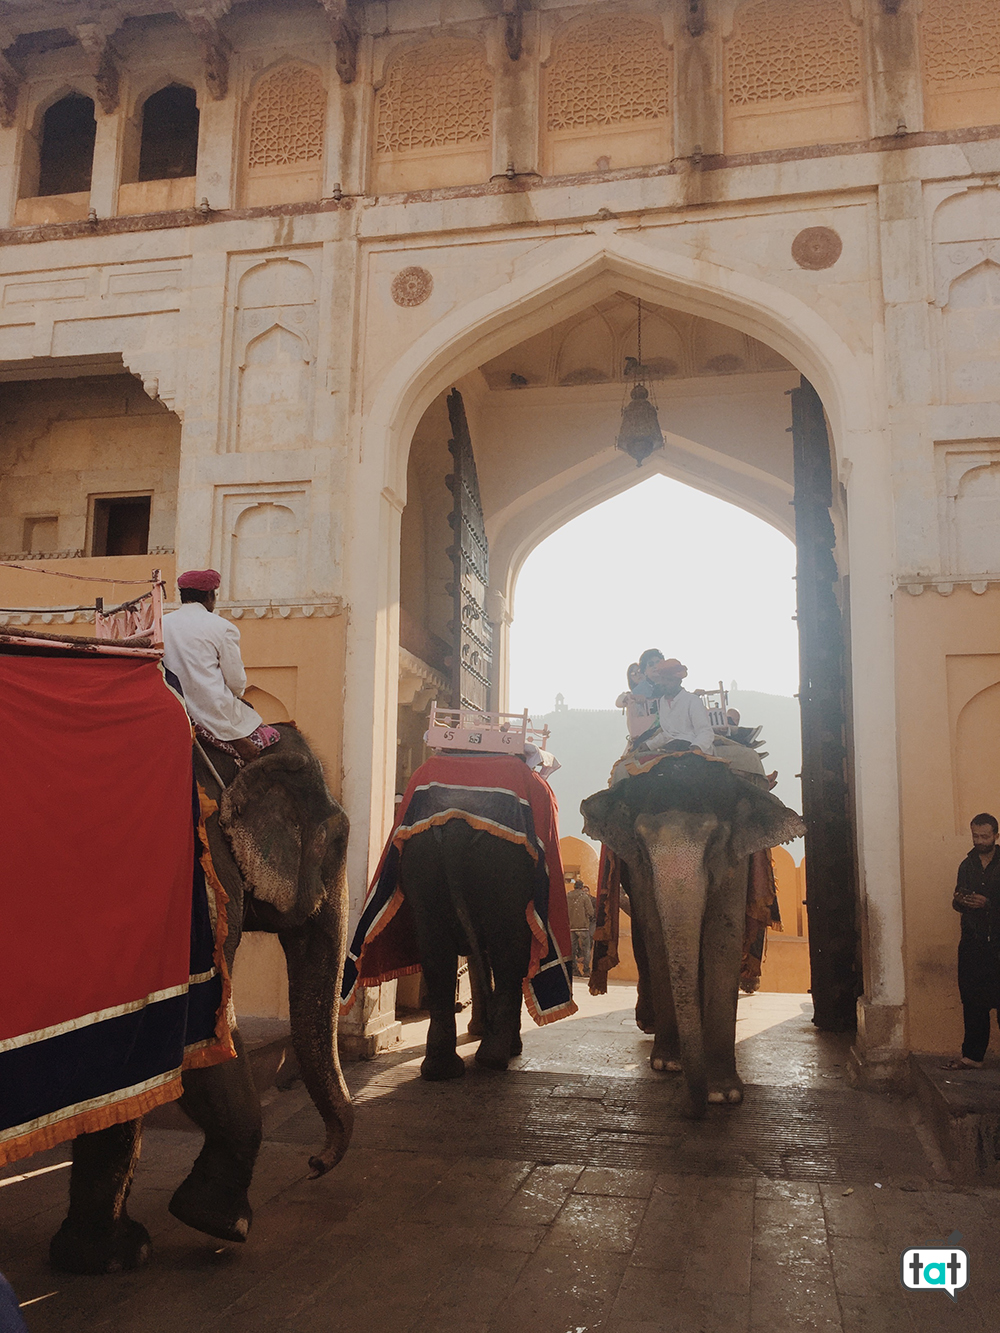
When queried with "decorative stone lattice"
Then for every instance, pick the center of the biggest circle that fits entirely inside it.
(412, 286)
(608, 72)
(817, 247)
(288, 115)
(435, 95)
(961, 40)
(781, 50)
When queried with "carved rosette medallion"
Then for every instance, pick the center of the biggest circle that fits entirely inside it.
(412, 286)
(817, 247)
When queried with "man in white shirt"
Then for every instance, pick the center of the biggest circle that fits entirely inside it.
(682, 716)
(203, 652)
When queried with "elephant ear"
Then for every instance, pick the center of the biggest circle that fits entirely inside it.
(762, 821)
(260, 816)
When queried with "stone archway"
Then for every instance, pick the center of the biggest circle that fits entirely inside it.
(575, 273)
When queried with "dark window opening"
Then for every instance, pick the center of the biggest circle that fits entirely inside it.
(66, 155)
(169, 145)
(121, 525)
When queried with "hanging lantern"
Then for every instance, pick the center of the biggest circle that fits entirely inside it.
(639, 434)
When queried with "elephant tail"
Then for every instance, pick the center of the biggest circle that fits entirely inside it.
(460, 906)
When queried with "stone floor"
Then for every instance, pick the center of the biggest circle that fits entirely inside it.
(567, 1196)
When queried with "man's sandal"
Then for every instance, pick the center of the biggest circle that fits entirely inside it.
(963, 1063)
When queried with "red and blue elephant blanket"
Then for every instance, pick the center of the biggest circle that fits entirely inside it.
(500, 795)
(112, 978)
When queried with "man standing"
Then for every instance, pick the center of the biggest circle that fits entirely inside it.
(203, 652)
(581, 913)
(977, 897)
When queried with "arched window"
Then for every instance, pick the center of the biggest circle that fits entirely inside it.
(793, 76)
(607, 97)
(168, 147)
(284, 161)
(960, 56)
(66, 153)
(159, 172)
(435, 118)
(55, 178)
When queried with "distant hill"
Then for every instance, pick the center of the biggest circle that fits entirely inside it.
(587, 741)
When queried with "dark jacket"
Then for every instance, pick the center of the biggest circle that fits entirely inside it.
(979, 949)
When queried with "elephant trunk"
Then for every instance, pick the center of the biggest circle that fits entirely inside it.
(676, 844)
(314, 952)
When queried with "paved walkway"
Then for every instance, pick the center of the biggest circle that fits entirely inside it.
(567, 1196)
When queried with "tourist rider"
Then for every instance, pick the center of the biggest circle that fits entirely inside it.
(203, 652)
(683, 721)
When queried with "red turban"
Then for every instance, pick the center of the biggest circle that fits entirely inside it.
(205, 580)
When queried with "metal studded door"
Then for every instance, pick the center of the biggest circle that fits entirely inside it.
(823, 664)
(472, 633)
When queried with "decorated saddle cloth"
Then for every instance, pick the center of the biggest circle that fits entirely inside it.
(500, 795)
(112, 979)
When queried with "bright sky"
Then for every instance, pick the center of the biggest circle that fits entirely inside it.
(660, 566)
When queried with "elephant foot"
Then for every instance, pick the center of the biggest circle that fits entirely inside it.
(729, 1094)
(437, 1068)
(495, 1051)
(645, 1019)
(93, 1252)
(204, 1205)
(664, 1064)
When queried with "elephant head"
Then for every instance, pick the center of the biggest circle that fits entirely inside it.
(685, 831)
(279, 843)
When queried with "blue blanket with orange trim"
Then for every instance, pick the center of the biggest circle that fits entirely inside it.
(500, 795)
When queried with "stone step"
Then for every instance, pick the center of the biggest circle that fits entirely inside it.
(268, 1043)
(963, 1105)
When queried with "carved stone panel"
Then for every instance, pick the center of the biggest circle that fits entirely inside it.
(967, 289)
(261, 538)
(969, 490)
(275, 327)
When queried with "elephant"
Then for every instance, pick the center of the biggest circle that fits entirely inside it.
(684, 830)
(468, 893)
(278, 842)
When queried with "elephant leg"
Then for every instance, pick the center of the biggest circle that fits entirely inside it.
(677, 843)
(658, 1000)
(721, 951)
(423, 877)
(479, 980)
(98, 1236)
(314, 953)
(645, 1013)
(223, 1103)
(495, 885)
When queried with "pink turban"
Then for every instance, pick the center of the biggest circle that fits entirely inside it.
(205, 580)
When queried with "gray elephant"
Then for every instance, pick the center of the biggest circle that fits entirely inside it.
(684, 831)
(278, 842)
(468, 893)
(472, 867)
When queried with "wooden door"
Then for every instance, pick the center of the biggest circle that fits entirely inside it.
(831, 893)
(471, 631)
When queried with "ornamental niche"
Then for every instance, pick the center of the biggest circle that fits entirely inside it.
(793, 76)
(960, 59)
(434, 118)
(607, 97)
(284, 160)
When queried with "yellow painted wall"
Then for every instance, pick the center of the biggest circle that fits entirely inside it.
(948, 669)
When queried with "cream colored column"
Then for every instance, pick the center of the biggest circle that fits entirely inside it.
(219, 147)
(107, 153)
(697, 88)
(515, 99)
(880, 1049)
(895, 92)
(370, 701)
